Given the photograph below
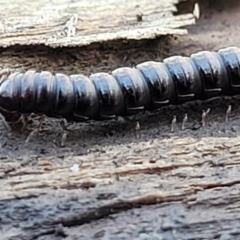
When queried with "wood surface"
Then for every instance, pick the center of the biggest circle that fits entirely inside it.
(77, 23)
(111, 182)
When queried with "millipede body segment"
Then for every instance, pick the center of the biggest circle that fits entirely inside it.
(148, 86)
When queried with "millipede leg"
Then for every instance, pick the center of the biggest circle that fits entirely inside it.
(204, 114)
(35, 131)
(64, 138)
(228, 112)
(207, 119)
(137, 129)
(5, 123)
(208, 111)
(65, 132)
(24, 120)
(63, 125)
(184, 121)
(41, 119)
(31, 135)
(174, 122)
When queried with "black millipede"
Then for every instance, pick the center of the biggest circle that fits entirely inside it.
(126, 91)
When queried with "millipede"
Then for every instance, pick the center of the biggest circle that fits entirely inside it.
(126, 91)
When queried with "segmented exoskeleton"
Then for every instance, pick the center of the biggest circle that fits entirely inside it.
(126, 91)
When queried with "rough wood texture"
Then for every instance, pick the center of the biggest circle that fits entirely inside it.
(109, 182)
(77, 23)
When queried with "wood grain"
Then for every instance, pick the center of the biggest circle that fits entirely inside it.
(77, 23)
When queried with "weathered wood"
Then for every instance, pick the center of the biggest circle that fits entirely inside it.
(77, 23)
(182, 182)
(109, 182)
